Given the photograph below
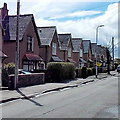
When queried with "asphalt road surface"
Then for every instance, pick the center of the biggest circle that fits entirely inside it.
(98, 99)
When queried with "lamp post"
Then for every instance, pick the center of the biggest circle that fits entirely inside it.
(96, 47)
(17, 46)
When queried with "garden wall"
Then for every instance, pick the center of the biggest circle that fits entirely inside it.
(27, 80)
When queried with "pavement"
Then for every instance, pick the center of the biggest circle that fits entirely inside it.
(31, 91)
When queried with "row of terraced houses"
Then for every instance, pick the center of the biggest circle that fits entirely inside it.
(40, 45)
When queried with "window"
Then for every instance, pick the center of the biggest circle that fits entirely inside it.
(81, 53)
(30, 43)
(69, 52)
(41, 65)
(54, 49)
(28, 65)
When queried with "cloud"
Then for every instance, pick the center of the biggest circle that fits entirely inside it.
(86, 27)
(67, 1)
(48, 12)
(77, 14)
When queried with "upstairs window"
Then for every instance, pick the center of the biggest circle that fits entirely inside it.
(54, 49)
(30, 43)
(69, 52)
(81, 53)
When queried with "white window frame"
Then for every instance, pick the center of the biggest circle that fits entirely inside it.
(81, 52)
(27, 65)
(30, 43)
(69, 52)
(54, 48)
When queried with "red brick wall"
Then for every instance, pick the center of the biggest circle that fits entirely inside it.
(85, 56)
(9, 50)
(23, 46)
(9, 46)
(27, 80)
(49, 48)
(0, 37)
(93, 57)
(76, 58)
(63, 55)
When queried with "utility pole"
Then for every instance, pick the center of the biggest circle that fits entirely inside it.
(113, 50)
(17, 46)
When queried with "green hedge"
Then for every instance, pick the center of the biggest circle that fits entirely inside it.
(91, 71)
(84, 72)
(61, 70)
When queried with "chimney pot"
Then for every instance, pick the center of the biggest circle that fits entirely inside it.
(5, 6)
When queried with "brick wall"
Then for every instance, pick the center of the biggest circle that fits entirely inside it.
(76, 57)
(9, 47)
(27, 80)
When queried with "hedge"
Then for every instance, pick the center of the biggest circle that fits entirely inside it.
(61, 70)
(84, 72)
(91, 71)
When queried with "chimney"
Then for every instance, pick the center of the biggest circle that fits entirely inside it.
(4, 11)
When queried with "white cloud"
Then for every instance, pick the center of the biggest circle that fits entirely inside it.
(77, 14)
(67, 1)
(86, 28)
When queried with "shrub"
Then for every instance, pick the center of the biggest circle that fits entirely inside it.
(94, 70)
(7, 70)
(5, 78)
(10, 68)
(78, 72)
(84, 72)
(89, 71)
(61, 70)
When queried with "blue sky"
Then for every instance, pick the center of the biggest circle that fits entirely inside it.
(73, 16)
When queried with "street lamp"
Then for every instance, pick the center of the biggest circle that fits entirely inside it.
(17, 46)
(96, 47)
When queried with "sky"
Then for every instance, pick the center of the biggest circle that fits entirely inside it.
(78, 17)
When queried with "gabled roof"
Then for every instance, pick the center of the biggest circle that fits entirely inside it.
(10, 26)
(46, 34)
(93, 46)
(76, 44)
(86, 46)
(64, 40)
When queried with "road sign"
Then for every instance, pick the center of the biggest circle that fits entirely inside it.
(98, 64)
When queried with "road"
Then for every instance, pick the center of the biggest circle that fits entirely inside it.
(98, 99)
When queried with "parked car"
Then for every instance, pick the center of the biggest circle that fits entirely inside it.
(21, 71)
(118, 68)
